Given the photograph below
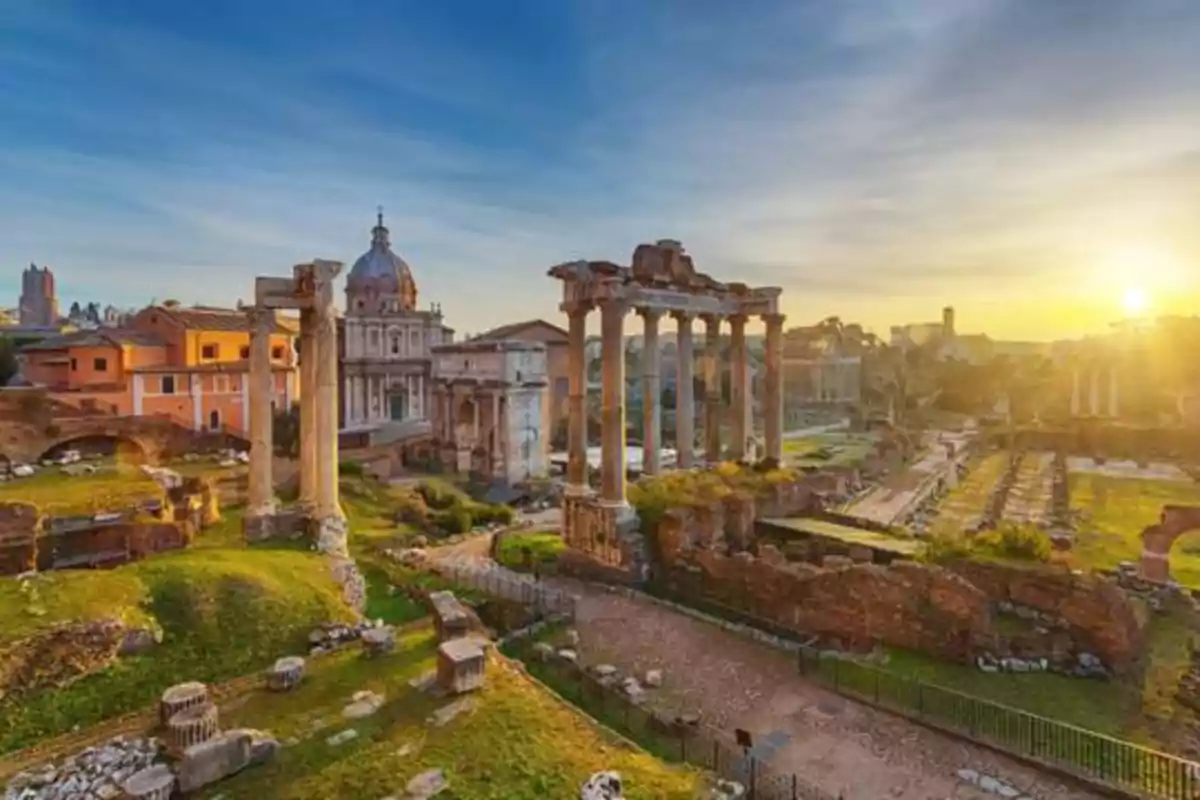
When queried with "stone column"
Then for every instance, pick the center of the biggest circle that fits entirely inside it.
(260, 387)
(651, 394)
(613, 463)
(773, 405)
(308, 411)
(739, 378)
(1094, 393)
(685, 402)
(577, 440)
(712, 389)
(1075, 400)
(494, 439)
(325, 429)
(1112, 392)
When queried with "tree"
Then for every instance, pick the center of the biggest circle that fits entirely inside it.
(285, 429)
(8, 360)
(75, 311)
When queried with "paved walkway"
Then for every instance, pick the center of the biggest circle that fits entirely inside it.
(831, 742)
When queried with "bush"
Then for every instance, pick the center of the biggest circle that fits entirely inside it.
(1020, 542)
(943, 547)
(486, 514)
(412, 510)
(350, 468)
(439, 497)
(453, 520)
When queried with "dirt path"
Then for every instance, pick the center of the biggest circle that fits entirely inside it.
(829, 741)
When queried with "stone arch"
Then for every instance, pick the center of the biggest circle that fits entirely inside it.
(1158, 539)
(126, 449)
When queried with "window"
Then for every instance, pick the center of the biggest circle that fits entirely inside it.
(277, 353)
(100, 364)
(214, 421)
(360, 304)
(209, 351)
(245, 354)
(168, 384)
(395, 345)
(73, 367)
(374, 337)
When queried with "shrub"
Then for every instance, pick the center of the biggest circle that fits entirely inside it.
(1012, 540)
(942, 547)
(412, 510)
(350, 468)
(486, 514)
(438, 496)
(453, 520)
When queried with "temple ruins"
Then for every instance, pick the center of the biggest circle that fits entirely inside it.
(660, 280)
(319, 512)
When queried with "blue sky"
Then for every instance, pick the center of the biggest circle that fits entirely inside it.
(1027, 161)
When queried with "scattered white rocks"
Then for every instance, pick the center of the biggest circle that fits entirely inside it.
(363, 704)
(727, 790)
(604, 670)
(342, 737)
(447, 713)
(991, 785)
(653, 679)
(568, 655)
(378, 641)
(96, 771)
(602, 786)
(427, 784)
(285, 673)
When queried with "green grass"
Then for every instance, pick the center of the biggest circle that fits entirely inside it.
(542, 547)
(222, 612)
(847, 448)
(55, 493)
(852, 536)
(75, 595)
(966, 501)
(517, 743)
(1109, 532)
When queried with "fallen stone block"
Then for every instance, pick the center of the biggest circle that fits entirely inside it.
(152, 783)
(211, 761)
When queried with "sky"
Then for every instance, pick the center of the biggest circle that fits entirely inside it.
(1035, 164)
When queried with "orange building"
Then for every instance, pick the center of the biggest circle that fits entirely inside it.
(190, 364)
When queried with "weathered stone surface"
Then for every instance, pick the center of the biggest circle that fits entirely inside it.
(213, 760)
(60, 655)
(378, 641)
(450, 619)
(100, 770)
(427, 784)
(285, 673)
(152, 783)
(461, 665)
(181, 696)
(602, 786)
(342, 737)
(191, 726)
(363, 704)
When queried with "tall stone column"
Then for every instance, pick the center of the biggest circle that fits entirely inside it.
(739, 379)
(325, 431)
(1094, 393)
(577, 439)
(1075, 399)
(712, 389)
(1112, 392)
(685, 401)
(651, 394)
(613, 462)
(261, 389)
(308, 411)
(773, 405)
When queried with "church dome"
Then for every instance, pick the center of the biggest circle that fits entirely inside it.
(381, 272)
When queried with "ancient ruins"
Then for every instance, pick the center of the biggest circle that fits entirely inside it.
(309, 290)
(660, 280)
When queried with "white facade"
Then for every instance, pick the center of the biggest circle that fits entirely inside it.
(488, 414)
(386, 341)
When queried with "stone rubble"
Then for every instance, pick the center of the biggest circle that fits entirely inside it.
(363, 704)
(602, 786)
(95, 773)
(987, 783)
(427, 784)
(342, 737)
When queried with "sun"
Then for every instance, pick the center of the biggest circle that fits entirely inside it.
(1135, 301)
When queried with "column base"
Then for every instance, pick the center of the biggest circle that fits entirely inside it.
(259, 523)
(331, 534)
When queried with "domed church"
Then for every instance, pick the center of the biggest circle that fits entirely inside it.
(386, 363)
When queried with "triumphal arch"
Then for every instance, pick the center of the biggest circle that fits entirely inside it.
(319, 511)
(660, 280)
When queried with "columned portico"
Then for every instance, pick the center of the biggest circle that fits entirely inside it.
(662, 279)
(309, 290)
(651, 393)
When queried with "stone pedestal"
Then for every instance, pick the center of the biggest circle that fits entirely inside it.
(191, 726)
(179, 697)
(450, 619)
(285, 674)
(685, 400)
(461, 666)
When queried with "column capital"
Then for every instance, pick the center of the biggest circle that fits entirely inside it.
(774, 319)
(576, 308)
(712, 320)
(260, 316)
(683, 317)
(738, 319)
(649, 314)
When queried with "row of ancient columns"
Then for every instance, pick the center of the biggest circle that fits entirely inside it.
(613, 463)
(1094, 402)
(318, 414)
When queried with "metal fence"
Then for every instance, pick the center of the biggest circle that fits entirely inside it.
(508, 585)
(1078, 751)
(669, 739)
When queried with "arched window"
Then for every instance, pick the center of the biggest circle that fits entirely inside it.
(214, 420)
(395, 345)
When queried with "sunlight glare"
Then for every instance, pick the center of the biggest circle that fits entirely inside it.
(1135, 301)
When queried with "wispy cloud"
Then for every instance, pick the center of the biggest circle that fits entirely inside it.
(920, 150)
